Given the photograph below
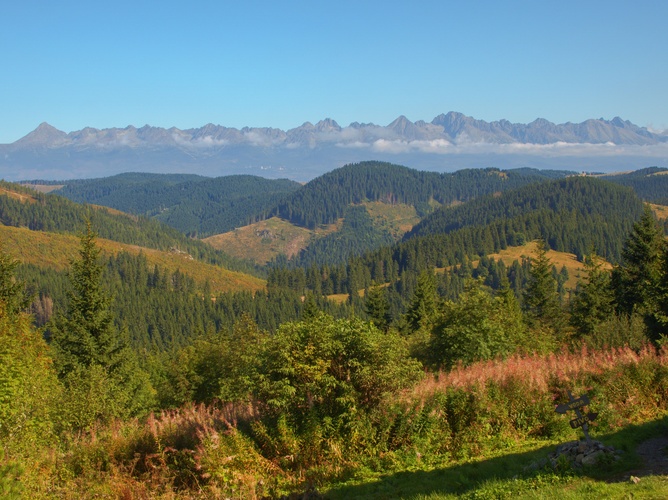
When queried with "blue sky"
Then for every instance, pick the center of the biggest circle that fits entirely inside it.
(278, 64)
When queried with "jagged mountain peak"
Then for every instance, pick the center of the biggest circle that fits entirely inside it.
(327, 125)
(44, 135)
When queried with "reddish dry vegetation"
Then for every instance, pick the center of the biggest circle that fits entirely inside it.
(539, 372)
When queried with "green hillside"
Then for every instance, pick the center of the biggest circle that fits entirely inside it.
(325, 199)
(195, 205)
(575, 215)
(133, 364)
(36, 211)
(651, 183)
(571, 214)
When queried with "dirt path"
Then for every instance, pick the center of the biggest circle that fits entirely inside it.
(654, 454)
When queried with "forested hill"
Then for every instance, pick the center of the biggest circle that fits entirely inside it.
(651, 183)
(23, 207)
(325, 199)
(195, 205)
(575, 214)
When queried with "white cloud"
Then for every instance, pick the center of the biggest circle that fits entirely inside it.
(443, 147)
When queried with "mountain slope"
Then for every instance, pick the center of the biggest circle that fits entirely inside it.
(576, 215)
(570, 213)
(372, 204)
(56, 251)
(324, 199)
(651, 184)
(53, 213)
(192, 204)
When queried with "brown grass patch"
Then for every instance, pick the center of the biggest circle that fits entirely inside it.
(398, 219)
(57, 250)
(559, 259)
(23, 198)
(265, 240)
(536, 371)
(660, 211)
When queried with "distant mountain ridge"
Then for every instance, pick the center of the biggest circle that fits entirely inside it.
(450, 141)
(452, 127)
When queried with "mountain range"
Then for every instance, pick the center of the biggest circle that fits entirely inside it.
(449, 142)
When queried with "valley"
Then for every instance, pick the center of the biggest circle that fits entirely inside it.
(352, 335)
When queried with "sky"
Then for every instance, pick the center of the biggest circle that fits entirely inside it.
(252, 63)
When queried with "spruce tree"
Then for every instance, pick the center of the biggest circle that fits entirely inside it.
(541, 299)
(91, 356)
(423, 308)
(86, 335)
(593, 301)
(377, 306)
(636, 280)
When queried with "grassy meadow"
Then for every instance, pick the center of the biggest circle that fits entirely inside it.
(57, 250)
(474, 432)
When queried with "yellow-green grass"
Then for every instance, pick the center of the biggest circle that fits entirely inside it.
(660, 211)
(57, 250)
(22, 197)
(398, 218)
(340, 298)
(44, 188)
(559, 259)
(265, 240)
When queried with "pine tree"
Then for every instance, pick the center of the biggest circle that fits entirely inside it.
(310, 309)
(541, 299)
(377, 306)
(91, 356)
(636, 280)
(423, 309)
(86, 335)
(593, 301)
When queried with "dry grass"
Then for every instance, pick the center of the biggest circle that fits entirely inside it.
(660, 211)
(559, 259)
(265, 240)
(398, 219)
(535, 371)
(23, 198)
(57, 250)
(340, 298)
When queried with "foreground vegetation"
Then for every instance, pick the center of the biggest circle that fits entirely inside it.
(451, 390)
(474, 432)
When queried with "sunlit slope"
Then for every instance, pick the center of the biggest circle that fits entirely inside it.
(57, 250)
(559, 259)
(265, 240)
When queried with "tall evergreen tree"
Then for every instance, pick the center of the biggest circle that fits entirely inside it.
(86, 335)
(593, 301)
(377, 306)
(423, 308)
(90, 354)
(542, 304)
(636, 280)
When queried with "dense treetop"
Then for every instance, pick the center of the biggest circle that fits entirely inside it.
(53, 213)
(325, 199)
(192, 204)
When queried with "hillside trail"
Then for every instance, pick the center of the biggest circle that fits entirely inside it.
(654, 455)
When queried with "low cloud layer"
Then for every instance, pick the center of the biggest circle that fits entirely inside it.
(443, 147)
